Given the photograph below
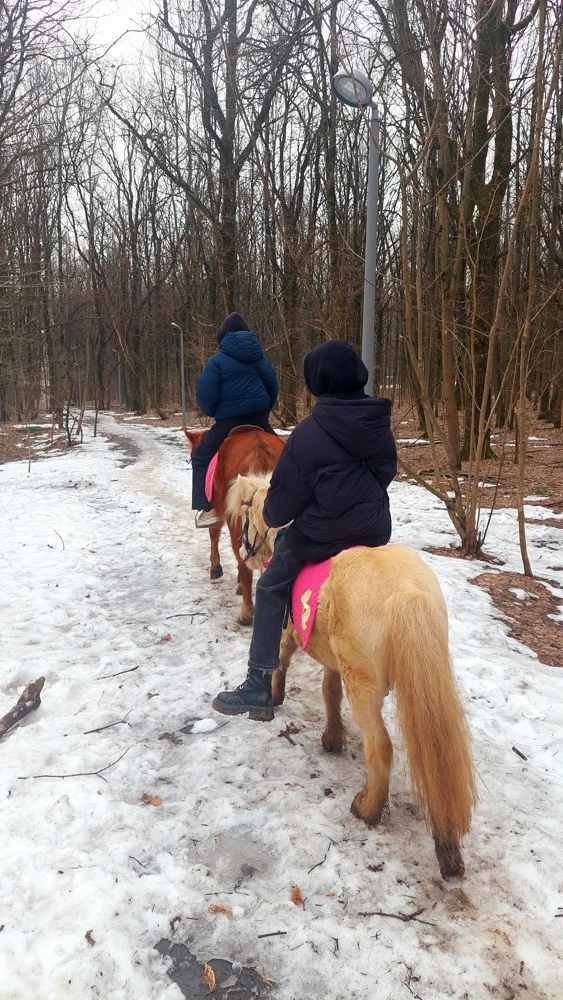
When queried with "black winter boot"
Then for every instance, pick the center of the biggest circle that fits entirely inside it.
(254, 696)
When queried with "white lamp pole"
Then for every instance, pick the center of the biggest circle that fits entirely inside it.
(355, 89)
(182, 375)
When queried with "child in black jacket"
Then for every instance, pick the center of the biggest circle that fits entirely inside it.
(331, 482)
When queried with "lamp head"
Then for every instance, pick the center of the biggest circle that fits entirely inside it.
(352, 88)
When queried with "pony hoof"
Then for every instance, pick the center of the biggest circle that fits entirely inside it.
(239, 590)
(245, 618)
(359, 810)
(449, 859)
(332, 744)
(216, 574)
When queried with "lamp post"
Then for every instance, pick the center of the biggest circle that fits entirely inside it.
(182, 375)
(355, 89)
(119, 385)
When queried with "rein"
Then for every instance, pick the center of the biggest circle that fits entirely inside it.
(252, 549)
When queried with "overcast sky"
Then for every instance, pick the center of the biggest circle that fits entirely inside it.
(109, 19)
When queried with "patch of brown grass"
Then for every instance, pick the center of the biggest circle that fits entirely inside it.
(543, 478)
(528, 617)
(16, 443)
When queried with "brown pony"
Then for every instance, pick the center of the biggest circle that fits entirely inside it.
(382, 623)
(247, 451)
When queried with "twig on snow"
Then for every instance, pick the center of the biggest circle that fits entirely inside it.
(405, 917)
(319, 863)
(110, 725)
(519, 752)
(187, 614)
(61, 538)
(273, 934)
(407, 982)
(130, 670)
(28, 701)
(288, 732)
(77, 774)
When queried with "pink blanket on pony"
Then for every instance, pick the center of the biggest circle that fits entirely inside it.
(209, 477)
(305, 597)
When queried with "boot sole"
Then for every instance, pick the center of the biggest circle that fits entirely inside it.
(265, 714)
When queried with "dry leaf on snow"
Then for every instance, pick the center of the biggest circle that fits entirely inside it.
(152, 694)
(151, 800)
(209, 977)
(165, 638)
(296, 896)
(89, 938)
(213, 908)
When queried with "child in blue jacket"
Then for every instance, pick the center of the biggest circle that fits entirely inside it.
(237, 386)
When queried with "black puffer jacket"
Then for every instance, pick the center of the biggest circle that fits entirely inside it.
(331, 479)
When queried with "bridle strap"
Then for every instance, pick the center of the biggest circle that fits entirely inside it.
(252, 549)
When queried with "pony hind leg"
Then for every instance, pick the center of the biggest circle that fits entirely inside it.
(334, 736)
(365, 701)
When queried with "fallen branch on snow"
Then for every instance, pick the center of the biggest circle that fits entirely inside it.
(76, 774)
(405, 917)
(110, 725)
(28, 701)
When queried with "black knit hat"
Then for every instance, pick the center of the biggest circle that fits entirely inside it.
(334, 368)
(232, 324)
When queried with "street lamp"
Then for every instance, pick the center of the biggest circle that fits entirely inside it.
(182, 375)
(355, 89)
(119, 384)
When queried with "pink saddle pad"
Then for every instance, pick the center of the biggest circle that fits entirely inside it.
(209, 477)
(305, 597)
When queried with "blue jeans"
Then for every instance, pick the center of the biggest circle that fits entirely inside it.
(273, 591)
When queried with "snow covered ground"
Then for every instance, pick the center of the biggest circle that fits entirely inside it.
(105, 592)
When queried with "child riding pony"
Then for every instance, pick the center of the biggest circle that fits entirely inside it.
(237, 386)
(331, 481)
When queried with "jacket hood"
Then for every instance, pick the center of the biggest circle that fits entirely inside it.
(232, 324)
(360, 426)
(334, 367)
(243, 345)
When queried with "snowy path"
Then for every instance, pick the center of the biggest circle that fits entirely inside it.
(99, 561)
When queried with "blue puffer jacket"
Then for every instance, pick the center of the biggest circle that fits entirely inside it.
(230, 385)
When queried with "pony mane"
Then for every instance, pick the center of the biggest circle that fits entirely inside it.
(241, 492)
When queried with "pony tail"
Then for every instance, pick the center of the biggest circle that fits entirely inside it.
(431, 718)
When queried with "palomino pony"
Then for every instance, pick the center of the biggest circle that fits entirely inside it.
(248, 450)
(382, 623)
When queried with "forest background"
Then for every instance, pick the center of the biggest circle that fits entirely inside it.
(212, 169)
